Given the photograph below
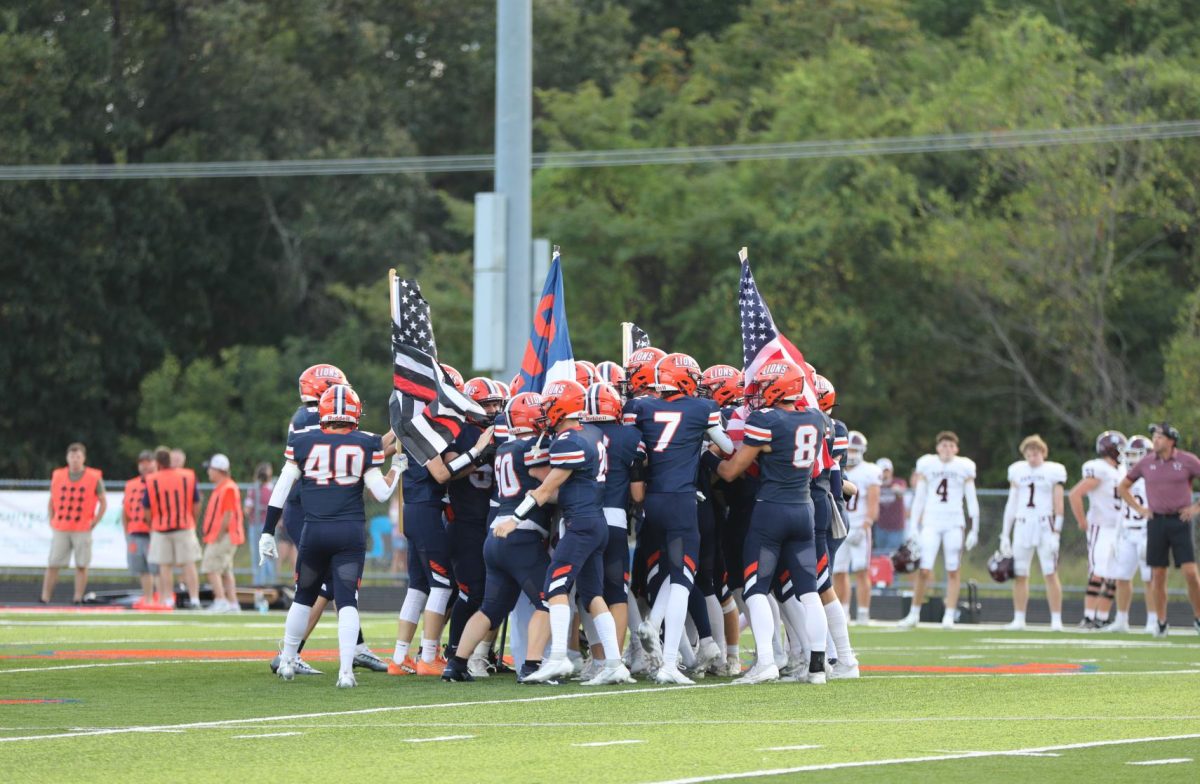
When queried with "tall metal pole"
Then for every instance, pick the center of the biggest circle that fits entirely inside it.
(514, 151)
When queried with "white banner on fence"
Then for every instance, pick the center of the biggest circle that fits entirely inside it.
(25, 531)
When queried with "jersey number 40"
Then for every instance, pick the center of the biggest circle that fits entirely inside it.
(344, 465)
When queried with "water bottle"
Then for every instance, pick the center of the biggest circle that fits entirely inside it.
(260, 602)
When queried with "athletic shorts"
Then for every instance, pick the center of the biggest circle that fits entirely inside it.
(780, 546)
(428, 547)
(578, 560)
(137, 554)
(1169, 534)
(1103, 553)
(174, 548)
(218, 556)
(1131, 555)
(1034, 536)
(935, 538)
(853, 556)
(64, 543)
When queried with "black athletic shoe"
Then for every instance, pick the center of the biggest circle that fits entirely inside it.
(456, 670)
(527, 669)
(1196, 623)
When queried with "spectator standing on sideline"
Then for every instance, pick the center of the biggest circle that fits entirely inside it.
(178, 458)
(256, 504)
(889, 528)
(171, 496)
(77, 503)
(1168, 473)
(223, 533)
(137, 529)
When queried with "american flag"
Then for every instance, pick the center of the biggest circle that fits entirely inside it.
(762, 343)
(640, 338)
(427, 412)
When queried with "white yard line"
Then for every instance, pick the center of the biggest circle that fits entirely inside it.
(438, 739)
(269, 735)
(607, 743)
(127, 664)
(790, 748)
(140, 641)
(940, 758)
(1173, 761)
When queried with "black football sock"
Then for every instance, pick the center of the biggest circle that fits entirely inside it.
(817, 662)
(360, 637)
(301, 647)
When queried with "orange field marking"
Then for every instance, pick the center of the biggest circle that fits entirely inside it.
(998, 669)
(170, 653)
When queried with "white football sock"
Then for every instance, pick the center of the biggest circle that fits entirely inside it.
(347, 637)
(948, 615)
(400, 652)
(1056, 618)
(560, 629)
(429, 649)
(1018, 616)
(1090, 614)
(793, 620)
(1152, 619)
(762, 624)
(864, 614)
(1122, 618)
(836, 621)
(676, 614)
(846, 609)
(716, 620)
(589, 628)
(777, 643)
(658, 611)
(294, 627)
(816, 626)
(606, 631)
(633, 619)
(690, 633)
(414, 605)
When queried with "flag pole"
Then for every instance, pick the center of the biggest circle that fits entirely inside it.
(626, 341)
(743, 254)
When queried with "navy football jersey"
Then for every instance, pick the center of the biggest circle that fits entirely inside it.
(796, 441)
(419, 485)
(820, 479)
(470, 496)
(623, 449)
(332, 465)
(513, 460)
(580, 450)
(673, 432)
(304, 420)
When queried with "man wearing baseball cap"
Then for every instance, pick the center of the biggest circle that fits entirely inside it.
(223, 532)
(1168, 473)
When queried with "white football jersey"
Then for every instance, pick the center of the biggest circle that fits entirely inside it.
(944, 483)
(1129, 517)
(1105, 507)
(1035, 487)
(863, 475)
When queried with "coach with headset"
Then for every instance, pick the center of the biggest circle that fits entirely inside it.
(1168, 473)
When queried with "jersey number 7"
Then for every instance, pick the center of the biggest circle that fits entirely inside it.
(670, 421)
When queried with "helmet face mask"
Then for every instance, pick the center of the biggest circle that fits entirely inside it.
(1000, 567)
(562, 401)
(677, 373)
(1111, 444)
(639, 370)
(907, 559)
(524, 411)
(778, 382)
(1138, 447)
(856, 448)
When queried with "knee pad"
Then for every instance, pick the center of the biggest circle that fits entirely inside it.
(439, 598)
(414, 605)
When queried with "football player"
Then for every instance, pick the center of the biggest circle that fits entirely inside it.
(470, 502)
(313, 383)
(944, 481)
(862, 510)
(673, 428)
(786, 443)
(1130, 556)
(1101, 476)
(1033, 520)
(339, 461)
(578, 465)
(515, 551)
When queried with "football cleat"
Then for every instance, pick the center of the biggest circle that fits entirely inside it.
(434, 667)
(1056, 625)
(457, 672)
(365, 658)
(406, 667)
(761, 672)
(909, 622)
(287, 668)
(589, 670)
(819, 678)
(1014, 626)
(948, 622)
(346, 680)
(733, 664)
(1086, 624)
(1118, 626)
(844, 671)
(478, 667)
(707, 655)
(638, 663)
(795, 663)
(651, 645)
(1161, 630)
(304, 668)
(552, 670)
(670, 674)
(609, 675)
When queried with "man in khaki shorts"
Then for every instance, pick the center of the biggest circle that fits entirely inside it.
(223, 532)
(171, 498)
(77, 503)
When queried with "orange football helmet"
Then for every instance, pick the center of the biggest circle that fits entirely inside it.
(780, 381)
(487, 393)
(826, 394)
(562, 400)
(340, 405)
(585, 373)
(677, 373)
(524, 411)
(456, 378)
(611, 373)
(316, 379)
(603, 403)
(722, 383)
(639, 369)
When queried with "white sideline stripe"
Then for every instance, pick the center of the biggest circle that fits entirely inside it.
(790, 748)
(359, 712)
(607, 743)
(140, 640)
(1106, 673)
(129, 664)
(1173, 761)
(269, 735)
(940, 758)
(435, 740)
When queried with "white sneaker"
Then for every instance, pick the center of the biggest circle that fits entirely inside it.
(576, 662)
(1115, 626)
(707, 655)
(217, 607)
(638, 663)
(733, 664)
(551, 670)
(287, 668)
(1014, 626)
(797, 676)
(817, 678)
(909, 621)
(844, 671)
(795, 663)
(761, 672)
(669, 673)
(610, 674)
(948, 622)
(590, 670)
(1056, 626)
(346, 680)
(651, 645)
(863, 617)
(477, 666)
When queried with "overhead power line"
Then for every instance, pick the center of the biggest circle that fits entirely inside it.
(657, 156)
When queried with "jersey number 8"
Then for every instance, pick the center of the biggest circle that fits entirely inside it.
(807, 439)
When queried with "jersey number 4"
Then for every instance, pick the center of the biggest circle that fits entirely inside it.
(345, 467)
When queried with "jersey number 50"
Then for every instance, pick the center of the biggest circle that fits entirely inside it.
(345, 468)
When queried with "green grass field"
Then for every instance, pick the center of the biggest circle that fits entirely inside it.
(107, 697)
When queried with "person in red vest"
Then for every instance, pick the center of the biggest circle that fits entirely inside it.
(223, 533)
(77, 503)
(137, 528)
(171, 497)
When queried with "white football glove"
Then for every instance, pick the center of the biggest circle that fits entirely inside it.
(1006, 546)
(266, 549)
(972, 538)
(400, 462)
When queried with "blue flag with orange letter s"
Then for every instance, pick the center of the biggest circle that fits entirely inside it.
(548, 354)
